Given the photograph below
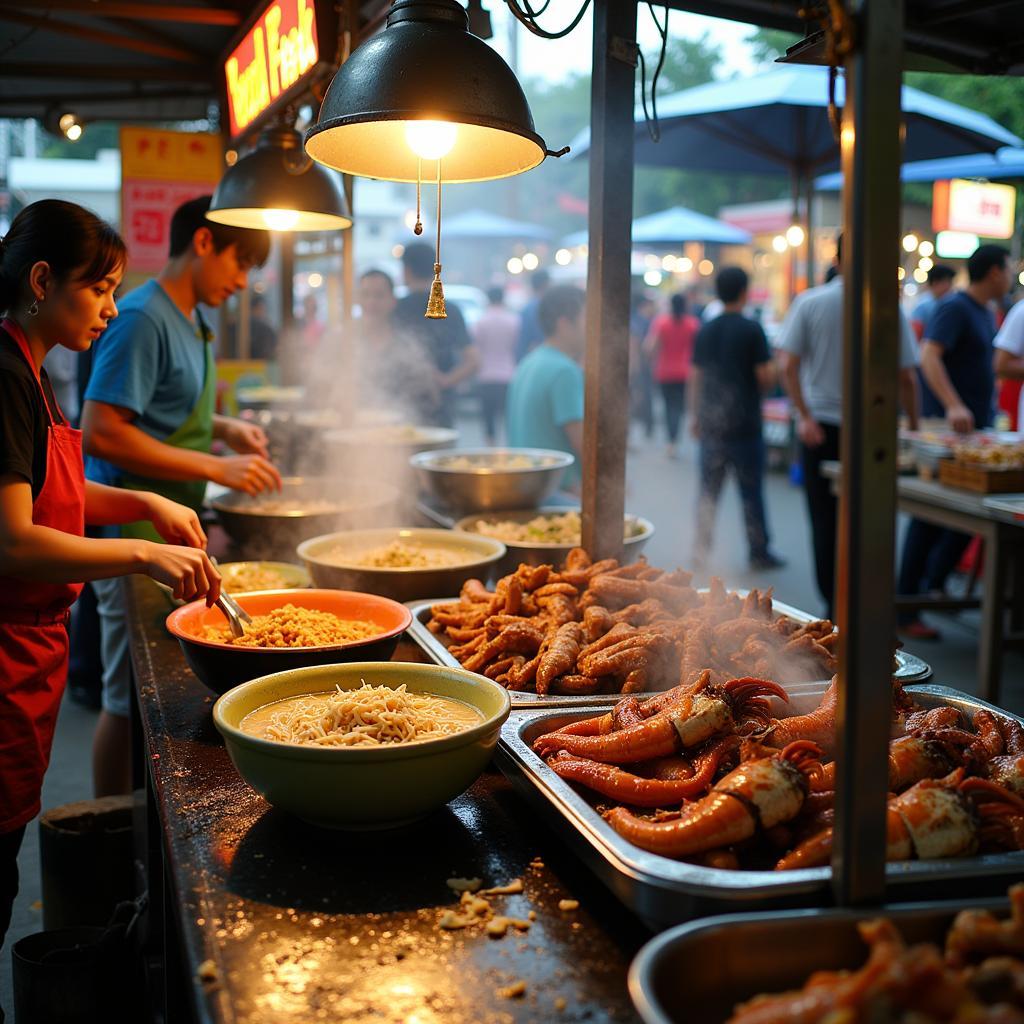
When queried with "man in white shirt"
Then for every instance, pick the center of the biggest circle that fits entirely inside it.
(811, 342)
(1008, 359)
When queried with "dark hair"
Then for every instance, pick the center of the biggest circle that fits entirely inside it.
(678, 306)
(941, 272)
(77, 245)
(418, 260)
(496, 295)
(731, 283)
(539, 281)
(983, 259)
(251, 244)
(377, 272)
(563, 302)
(839, 251)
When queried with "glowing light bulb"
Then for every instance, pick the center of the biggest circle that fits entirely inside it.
(430, 139)
(795, 235)
(911, 242)
(925, 263)
(920, 276)
(926, 249)
(684, 265)
(563, 257)
(280, 220)
(652, 278)
(74, 133)
(514, 265)
(668, 263)
(530, 261)
(1020, 277)
(900, 273)
(315, 280)
(705, 267)
(779, 243)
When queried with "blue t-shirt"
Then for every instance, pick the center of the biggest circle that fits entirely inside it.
(546, 393)
(151, 360)
(965, 329)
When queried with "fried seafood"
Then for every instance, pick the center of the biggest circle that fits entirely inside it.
(610, 628)
(915, 983)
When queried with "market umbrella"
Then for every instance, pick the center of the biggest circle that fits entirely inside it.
(1004, 163)
(485, 225)
(674, 226)
(778, 123)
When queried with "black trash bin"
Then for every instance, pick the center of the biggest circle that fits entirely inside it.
(61, 977)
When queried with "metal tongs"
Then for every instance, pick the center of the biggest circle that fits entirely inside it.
(236, 615)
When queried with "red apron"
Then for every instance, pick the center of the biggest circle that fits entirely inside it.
(33, 627)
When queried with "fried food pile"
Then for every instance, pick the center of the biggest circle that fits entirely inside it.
(979, 978)
(602, 627)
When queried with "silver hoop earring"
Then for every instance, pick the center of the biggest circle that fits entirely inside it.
(33, 310)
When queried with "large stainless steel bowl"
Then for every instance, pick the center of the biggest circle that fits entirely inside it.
(638, 532)
(487, 479)
(329, 568)
(273, 523)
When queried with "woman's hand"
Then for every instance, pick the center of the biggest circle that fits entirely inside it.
(177, 524)
(249, 473)
(245, 438)
(186, 571)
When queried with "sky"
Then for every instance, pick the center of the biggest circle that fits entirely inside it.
(552, 59)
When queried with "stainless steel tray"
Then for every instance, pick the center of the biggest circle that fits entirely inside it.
(663, 891)
(698, 972)
(910, 668)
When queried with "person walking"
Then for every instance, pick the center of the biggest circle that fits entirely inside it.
(940, 284)
(60, 266)
(545, 398)
(669, 345)
(495, 335)
(811, 343)
(957, 366)
(1008, 362)
(531, 333)
(641, 375)
(148, 424)
(732, 369)
(446, 341)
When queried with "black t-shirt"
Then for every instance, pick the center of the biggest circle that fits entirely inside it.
(23, 419)
(728, 350)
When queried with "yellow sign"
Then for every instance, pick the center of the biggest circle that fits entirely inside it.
(279, 49)
(153, 154)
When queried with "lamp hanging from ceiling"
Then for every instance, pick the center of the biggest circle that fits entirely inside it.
(426, 100)
(278, 187)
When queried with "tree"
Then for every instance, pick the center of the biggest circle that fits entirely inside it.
(98, 135)
(768, 44)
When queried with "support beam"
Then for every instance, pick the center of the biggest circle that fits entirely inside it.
(93, 35)
(223, 16)
(98, 72)
(606, 419)
(867, 503)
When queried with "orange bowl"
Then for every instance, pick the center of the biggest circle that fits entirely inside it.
(220, 666)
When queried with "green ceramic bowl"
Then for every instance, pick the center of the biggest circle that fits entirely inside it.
(368, 787)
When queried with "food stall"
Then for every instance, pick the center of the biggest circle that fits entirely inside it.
(477, 912)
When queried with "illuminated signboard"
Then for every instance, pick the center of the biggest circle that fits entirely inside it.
(279, 50)
(955, 245)
(977, 207)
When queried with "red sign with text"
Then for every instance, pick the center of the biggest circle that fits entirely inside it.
(278, 51)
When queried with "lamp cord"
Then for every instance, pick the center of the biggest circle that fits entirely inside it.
(525, 13)
(418, 226)
(437, 251)
(653, 128)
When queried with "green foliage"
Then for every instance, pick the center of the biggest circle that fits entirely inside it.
(97, 136)
(768, 44)
(1001, 98)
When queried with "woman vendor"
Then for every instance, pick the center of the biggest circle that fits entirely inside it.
(60, 266)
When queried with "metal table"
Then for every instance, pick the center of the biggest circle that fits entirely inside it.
(293, 923)
(1003, 535)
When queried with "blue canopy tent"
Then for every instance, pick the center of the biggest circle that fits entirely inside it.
(673, 226)
(1004, 163)
(484, 225)
(778, 123)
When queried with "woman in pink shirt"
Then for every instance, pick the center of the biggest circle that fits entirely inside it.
(670, 342)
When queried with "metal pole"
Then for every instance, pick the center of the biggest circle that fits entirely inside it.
(867, 508)
(606, 419)
(290, 366)
(809, 178)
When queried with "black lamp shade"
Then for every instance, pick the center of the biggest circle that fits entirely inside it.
(425, 66)
(277, 187)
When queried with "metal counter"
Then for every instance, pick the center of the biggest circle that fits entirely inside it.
(292, 923)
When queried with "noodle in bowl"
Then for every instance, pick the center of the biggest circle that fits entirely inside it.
(362, 746)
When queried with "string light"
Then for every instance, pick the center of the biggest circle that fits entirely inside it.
(779, 243)
(530, 261)
(910, 242)
(563, 257)
(514, 265)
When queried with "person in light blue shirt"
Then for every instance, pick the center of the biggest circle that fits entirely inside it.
(545, 398)
(940, 284)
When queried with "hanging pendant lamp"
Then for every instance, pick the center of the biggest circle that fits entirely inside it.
(277, 187)
(426, 89)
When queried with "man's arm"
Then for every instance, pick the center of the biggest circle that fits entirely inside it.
(910, 396)
(1007, 366)
(110, 434)
(960, 418)
(808, 428)
(574, 431)
(767, 375)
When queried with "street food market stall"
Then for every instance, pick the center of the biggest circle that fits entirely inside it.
(255, 916)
